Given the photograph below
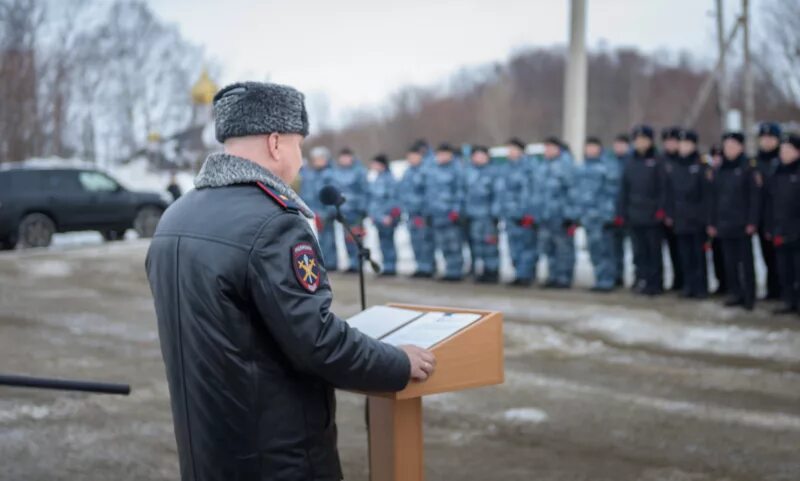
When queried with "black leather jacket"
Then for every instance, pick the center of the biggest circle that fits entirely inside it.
(251, 349)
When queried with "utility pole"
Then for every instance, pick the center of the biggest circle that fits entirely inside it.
(722, 78)
(749, 101)
(575, 91)
(713, 77)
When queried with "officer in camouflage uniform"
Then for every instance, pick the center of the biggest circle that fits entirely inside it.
(350, 177)
(412, 190)
(553, 199)
(384, 211)
(621, 155)
(516, 206)
(735, 209)
(314, 176)
(597, 189)
(481, 208)
(444, 198)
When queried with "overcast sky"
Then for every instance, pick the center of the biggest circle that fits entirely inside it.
(357, 52)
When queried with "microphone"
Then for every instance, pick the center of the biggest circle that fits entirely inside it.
(330, 195)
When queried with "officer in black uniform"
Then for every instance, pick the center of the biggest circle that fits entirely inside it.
(734, 217)
(641, 207)
(251, 348)
(687, 212)
(669, 157)
(714, 162)
(769, 135)
(783, 220)
(622, 153)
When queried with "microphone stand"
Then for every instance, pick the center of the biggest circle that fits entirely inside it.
(363, 256)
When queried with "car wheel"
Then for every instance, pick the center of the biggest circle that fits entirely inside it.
(36, 230)
(147, 220)
(113, 235)
(7, 244)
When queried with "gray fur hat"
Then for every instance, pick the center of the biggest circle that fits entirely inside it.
(253, 108)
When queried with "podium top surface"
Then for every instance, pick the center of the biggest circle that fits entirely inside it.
(399, 326)
(467, 343)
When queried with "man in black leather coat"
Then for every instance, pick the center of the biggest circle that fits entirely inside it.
(251, 348)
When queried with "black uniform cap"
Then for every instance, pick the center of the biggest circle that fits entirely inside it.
(791, 138)
(553, 140)
(668, 133)
(445, 147)
(688, 134)
(643, 130)
(734, 135)
(381, 158)
(517, 142)
(769, 128)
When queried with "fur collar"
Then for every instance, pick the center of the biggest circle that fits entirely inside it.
(221, 169)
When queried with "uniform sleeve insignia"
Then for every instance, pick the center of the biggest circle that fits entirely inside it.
(306, 266)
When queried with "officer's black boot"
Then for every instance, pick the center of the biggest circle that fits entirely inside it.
(733, 301)
(488, 277)
(785, 309)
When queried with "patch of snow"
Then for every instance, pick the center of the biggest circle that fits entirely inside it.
(49, 268)
(525, 415)
(771, 420)
(766, 343)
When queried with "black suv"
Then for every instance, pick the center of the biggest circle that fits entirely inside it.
(36, 203)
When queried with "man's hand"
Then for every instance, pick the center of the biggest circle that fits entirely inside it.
(711, 231)
(422, 362)
(750, 229)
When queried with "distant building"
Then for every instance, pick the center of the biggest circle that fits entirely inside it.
(188, 147)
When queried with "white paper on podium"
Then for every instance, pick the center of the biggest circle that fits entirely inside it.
(379, 321)
(431, 329)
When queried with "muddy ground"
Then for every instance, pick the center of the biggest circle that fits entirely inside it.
(597, 387)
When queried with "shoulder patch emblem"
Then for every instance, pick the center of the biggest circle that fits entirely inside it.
(306, 266)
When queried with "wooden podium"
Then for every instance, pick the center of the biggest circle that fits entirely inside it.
(471, 357)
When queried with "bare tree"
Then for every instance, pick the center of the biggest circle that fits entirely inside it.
(20, 133)
(781, 36)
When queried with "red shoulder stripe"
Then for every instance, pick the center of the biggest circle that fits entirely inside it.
(272, 194)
